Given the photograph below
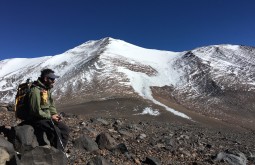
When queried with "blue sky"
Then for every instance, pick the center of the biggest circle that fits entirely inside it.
(33, 28)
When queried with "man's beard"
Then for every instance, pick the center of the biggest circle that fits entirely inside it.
(49, 85)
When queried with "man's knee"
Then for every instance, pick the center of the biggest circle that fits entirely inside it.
(63, 128)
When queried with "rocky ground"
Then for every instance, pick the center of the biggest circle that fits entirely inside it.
(127, 140)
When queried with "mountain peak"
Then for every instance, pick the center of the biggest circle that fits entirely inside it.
(90, 45)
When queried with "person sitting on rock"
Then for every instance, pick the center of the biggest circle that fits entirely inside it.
(43, 115)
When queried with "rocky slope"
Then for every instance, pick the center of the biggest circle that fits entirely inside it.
(148, 140)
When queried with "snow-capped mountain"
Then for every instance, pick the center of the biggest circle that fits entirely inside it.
(205, 80)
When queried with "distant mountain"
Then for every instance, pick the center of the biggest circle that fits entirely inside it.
(216, 81)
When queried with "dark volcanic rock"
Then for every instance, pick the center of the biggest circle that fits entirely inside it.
(25, 139)
(152, 161)
(121, 148)
(44, 155)
(7, 153)
(104, 140)
(85, 142)
(7, 145)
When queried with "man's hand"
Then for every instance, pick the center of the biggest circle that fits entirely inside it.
(56, 118)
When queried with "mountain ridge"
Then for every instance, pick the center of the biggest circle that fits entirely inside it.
(198, 79)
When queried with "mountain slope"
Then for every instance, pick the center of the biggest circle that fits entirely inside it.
(216, 81)
(220, 82)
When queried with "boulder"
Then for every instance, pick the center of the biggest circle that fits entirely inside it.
(121, 148)
(85, 142)
(4, 156)
(44, 155)
(25, 139)
(7, 146)
(105, 141)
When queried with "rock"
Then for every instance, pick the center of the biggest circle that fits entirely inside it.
(152, 161)
(122, 148)
(165, 141)
(125, 133)
(14, 160)
(134, 127)
(104, 140)
(4, 104)
(118, 123)
(4, 156)
(184, 137)
(44, 155)
(98, 160)
(11, 107)
(3, 109)
(251, 157)
(85, 142)
(7, 146)
(67, 115)
(25, 139)
(232, 158)
(90, 131)
(100, 120)
(137, 161)
(141, 136)
(208, 146)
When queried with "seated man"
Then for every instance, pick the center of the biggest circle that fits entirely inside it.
(42, 111)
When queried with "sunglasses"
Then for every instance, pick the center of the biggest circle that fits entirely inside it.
(52, 79)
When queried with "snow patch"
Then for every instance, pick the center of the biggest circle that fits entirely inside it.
(149, 111)
(142, 84)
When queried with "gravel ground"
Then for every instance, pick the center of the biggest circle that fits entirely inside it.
(146, 139)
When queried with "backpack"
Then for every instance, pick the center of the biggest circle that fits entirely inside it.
(21, 100)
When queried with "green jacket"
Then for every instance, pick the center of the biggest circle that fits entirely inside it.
(41, 104)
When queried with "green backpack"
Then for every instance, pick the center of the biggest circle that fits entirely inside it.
(21, 100)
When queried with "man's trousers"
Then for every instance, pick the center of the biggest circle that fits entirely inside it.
(54, 135)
